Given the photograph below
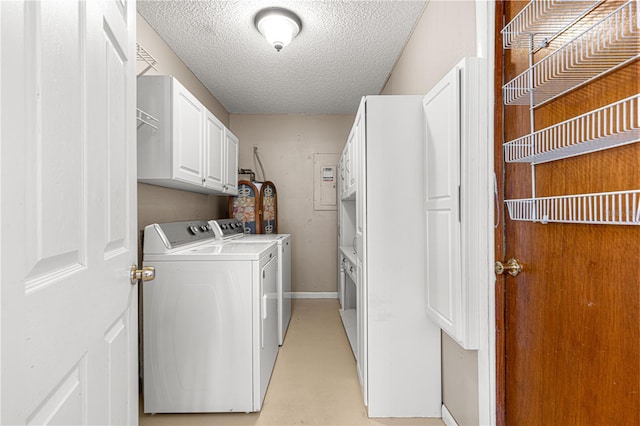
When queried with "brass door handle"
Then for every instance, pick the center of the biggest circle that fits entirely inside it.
(512, 267)
(145, 274)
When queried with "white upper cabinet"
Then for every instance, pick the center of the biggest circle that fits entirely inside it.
(190, 148)
(455, 216)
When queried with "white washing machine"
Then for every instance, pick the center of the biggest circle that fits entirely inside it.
(232, 228)
(210, 324)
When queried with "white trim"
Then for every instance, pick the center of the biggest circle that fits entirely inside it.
(447, 418)
(485, 28)
(314, 295)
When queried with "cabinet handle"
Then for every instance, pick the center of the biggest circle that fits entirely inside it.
(264, 307)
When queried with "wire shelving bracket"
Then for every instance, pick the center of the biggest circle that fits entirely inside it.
(145, 118)
(609, 44)
(607, 127)
(144, 56)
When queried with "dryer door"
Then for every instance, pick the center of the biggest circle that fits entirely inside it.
(268, 323)
(284, 301)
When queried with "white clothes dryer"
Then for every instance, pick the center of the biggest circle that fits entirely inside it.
(232, 228)
(210, 324)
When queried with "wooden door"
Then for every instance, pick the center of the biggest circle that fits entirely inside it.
(568, 327)
(69, 311)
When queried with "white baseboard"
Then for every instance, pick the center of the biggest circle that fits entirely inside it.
(447, 418)
(314, 295)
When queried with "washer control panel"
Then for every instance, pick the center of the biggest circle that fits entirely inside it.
(227, 228)
(175, 234)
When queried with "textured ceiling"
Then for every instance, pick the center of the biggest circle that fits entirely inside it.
(346, 50)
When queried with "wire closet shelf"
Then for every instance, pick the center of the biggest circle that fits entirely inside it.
(143, 56)
(606, 208)
(142, 116)
(611, 43)
(540, 21)
(614, 125)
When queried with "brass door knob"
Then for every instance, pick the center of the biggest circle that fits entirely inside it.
(512, 267)
(145, 274)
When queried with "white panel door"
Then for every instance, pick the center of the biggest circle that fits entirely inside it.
(68, 203)
(214, 148)
(442, 186)
(188, 135)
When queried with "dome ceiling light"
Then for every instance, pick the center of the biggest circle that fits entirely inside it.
(279, 26)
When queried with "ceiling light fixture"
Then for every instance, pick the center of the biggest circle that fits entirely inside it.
(279, 26)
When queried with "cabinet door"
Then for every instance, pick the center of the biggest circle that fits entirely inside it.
(188, 135)
(353, 157)
(359, 159)
(231, 170)
(442, 186)
(348, 166)
(343, 172)
(214, 153)
(340, 177)
(454, 198)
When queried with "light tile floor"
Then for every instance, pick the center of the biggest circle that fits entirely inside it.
(314, 381)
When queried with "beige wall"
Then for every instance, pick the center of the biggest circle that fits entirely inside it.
(157, 204)
(286, 144)
(444, 35)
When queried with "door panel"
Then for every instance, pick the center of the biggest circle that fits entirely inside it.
(69, 333)
(54, 75)
(572, 318)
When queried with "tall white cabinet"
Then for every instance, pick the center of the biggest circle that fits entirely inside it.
(397, 347)
(455, 201)
(190, 149)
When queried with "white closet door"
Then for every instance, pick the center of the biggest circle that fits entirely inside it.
(442, 204)
(68, 312)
